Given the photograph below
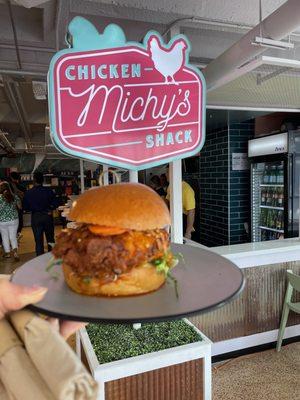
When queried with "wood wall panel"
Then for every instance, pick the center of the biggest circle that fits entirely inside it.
(177, 382)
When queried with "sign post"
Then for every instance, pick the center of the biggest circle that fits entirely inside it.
(133, 176)
(81, 176)
(175, 177)
(105, 175)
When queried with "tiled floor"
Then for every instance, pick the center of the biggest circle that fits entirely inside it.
(8, 265)
(26, 252)
(266, 375)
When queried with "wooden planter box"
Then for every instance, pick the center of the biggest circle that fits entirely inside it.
(179, 373)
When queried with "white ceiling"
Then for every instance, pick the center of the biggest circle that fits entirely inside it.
(235, 11)
(220, 24)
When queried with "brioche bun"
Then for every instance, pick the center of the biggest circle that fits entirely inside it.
(139, 280)
(124, 205)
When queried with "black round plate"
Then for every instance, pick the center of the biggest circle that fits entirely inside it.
(205, 281)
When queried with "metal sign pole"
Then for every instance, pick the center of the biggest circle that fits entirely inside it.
(133, 176)
(175, 178)
(81, 176)
(105, 174)
(176, 201)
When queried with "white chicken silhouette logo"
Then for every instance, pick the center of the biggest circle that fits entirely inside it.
(167, 61)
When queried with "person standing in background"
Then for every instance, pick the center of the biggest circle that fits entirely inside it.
(75, 187)
(41, 201)
(164, 183)
(156, 186)
(19, 190)
(188, 208)
(9, 204)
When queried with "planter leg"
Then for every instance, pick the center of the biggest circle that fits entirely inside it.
(101, 394)
(207, 376)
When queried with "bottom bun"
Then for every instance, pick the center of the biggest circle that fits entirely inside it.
(138, 280)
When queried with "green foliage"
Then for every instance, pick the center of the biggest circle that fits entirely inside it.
(113, 342)
(52, 263)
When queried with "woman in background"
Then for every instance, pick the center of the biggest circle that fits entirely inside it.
(9, 221)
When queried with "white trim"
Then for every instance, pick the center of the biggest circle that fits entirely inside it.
(89, 351)
(258, 254)
(244, 342)
(256, 259)
(148, 362)
(175, 177)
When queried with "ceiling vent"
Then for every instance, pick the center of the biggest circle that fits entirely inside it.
(265, 83)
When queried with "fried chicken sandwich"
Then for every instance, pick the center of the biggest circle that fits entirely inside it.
(121, 244)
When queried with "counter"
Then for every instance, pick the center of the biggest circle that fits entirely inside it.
(253, 318)
(261, 253)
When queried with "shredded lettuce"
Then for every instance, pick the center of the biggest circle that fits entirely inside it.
(165, 264)
(52, 263)
(87, 279)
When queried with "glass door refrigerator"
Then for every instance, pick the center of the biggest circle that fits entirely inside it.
(275, 186)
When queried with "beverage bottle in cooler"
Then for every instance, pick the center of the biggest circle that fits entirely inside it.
(270, 219)
(269, 196)
(273, 219)
(275, 197)
(275, 223)
(280, 197)
(263, 217)
(263, 196)
(270, 175)
(280, 176)
(266, 176)
(276, 172)
(280, 223)
(273, 174)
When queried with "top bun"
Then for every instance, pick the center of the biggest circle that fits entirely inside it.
(123, 205)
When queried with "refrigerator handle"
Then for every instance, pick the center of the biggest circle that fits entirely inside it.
(289, 199)
(289, 182)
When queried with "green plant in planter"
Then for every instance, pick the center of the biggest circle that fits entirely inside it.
(112, 342)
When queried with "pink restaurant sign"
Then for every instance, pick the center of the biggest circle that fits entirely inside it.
(127, 105)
